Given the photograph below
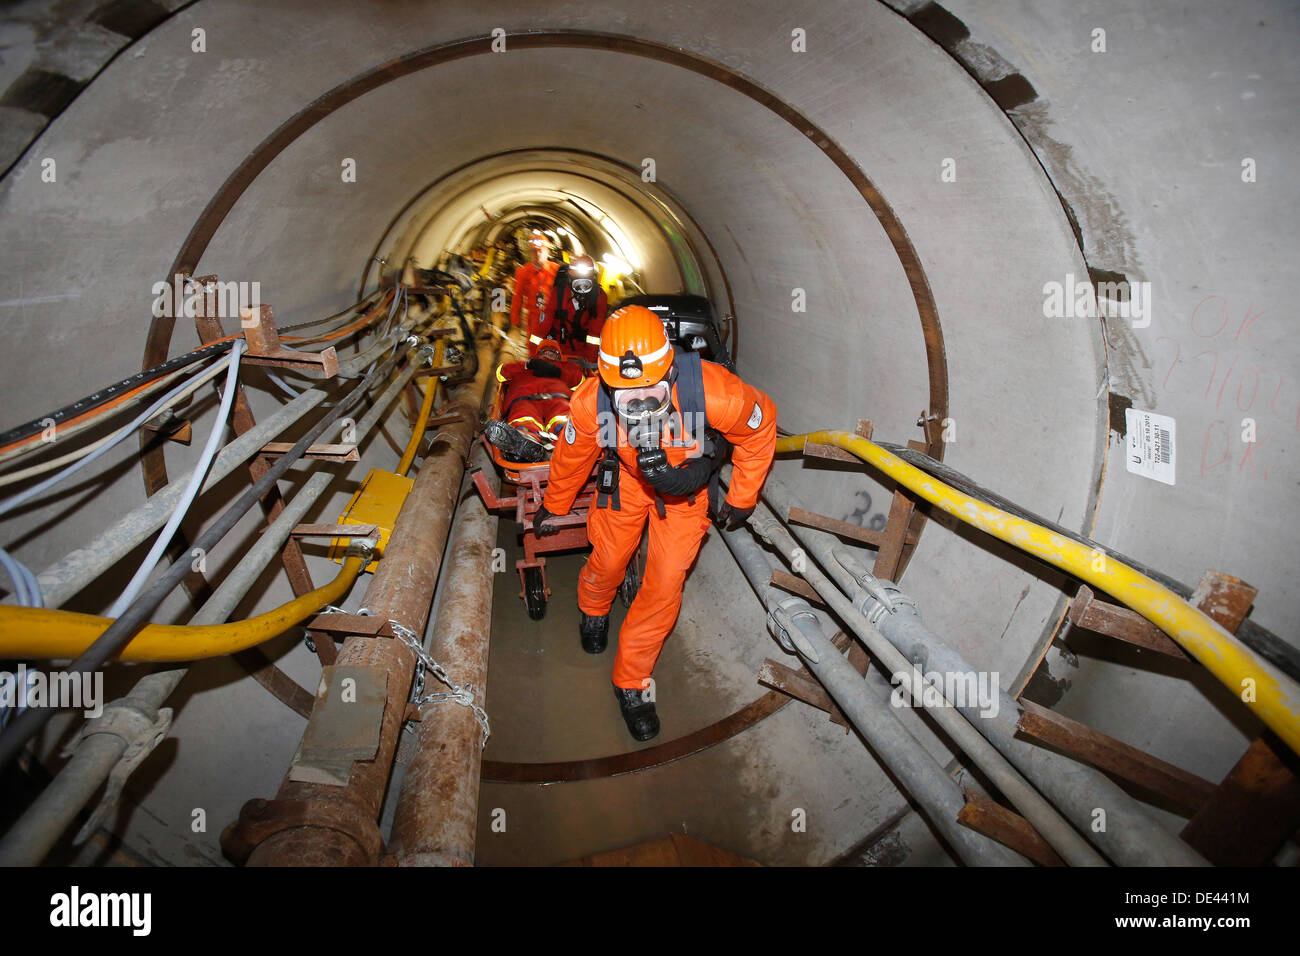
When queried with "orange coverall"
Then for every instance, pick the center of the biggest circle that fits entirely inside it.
(747, 418)
(536, 415)
(533, 284)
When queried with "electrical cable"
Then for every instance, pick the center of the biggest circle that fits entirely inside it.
(15, 477)
(197, 476)
(102, 400)
(112, 640)
(354, 307)
(118, 390)
(13, 501)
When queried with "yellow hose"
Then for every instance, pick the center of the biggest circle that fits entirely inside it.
(421, 423)
(1273, 696)
(31, 632)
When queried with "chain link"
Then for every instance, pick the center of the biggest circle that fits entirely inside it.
(460, 694)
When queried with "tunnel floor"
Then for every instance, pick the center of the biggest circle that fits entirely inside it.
(548, 700)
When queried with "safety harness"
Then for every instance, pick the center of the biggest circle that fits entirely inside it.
(690, 394)
(575, 329)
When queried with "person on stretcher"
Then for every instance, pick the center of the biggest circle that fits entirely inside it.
(534, 403)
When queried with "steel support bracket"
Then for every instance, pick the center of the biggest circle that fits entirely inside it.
(140, 731)
(264, 347)
(259, 820)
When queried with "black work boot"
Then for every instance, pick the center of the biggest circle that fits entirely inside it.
(516, 445)
(638, 713)
(594, 630)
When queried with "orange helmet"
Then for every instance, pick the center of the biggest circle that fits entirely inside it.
(582, 274)
(634, 351)
(548, 345)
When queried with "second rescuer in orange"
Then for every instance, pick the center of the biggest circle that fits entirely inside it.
(660, 426)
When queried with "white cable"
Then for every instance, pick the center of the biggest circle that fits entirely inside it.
(14, 477)
(13, 501)
(197, 476)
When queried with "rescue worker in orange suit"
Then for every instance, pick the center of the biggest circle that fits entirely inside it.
(576, 313)
(533, 285)
(658, 452)
(535, 403)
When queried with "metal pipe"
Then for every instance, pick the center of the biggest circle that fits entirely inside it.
(871, 713)
(63, 579)
(1040, 814)
(108, 644)
(437, 809)
(1131, 837)
(1276, 700)
(401, 591)
(33, 835)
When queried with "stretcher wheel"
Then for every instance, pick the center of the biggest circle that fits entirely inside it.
(535, 593)
(631, 583)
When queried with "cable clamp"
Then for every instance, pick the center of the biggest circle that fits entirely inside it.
(781, 623)
(140, 730)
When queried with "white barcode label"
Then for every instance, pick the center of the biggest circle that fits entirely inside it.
(1150, 445)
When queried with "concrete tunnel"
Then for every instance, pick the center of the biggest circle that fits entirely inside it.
(876, 197)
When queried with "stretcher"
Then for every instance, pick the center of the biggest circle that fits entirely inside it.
(528, 481)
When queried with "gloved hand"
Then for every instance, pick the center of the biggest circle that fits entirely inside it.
(540, 366)
(542, 523)
(731, 517)
(686, 478)
(652, 463)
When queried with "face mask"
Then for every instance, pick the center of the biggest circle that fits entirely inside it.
(641, 404)
(581, 286)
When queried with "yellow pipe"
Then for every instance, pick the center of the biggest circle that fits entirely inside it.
(1274, 698)
(30, 632)
(421, 423)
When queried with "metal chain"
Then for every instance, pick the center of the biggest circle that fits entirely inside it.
(460, 694)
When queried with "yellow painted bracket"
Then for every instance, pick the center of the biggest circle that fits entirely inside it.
(376, 502)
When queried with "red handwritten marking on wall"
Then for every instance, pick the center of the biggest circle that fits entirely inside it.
(1247, 456)
(1214, 319)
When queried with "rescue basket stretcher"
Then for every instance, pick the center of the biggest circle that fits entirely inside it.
(528, 480)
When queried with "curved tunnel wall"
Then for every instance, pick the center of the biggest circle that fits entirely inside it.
(1027, 395)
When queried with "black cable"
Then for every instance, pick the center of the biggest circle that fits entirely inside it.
(353, 308)
(119, 633)
(471, 347)
(95, 399)
(1259, 639)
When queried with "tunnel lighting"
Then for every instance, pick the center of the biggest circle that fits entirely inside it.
(615, 264)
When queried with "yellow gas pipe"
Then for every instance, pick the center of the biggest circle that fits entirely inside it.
(31, 632)
(1273, 697)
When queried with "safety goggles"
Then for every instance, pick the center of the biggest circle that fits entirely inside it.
(582, 286)
(643, 404)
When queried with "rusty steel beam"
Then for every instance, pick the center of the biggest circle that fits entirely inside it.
(437, 808)
(316, 824)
